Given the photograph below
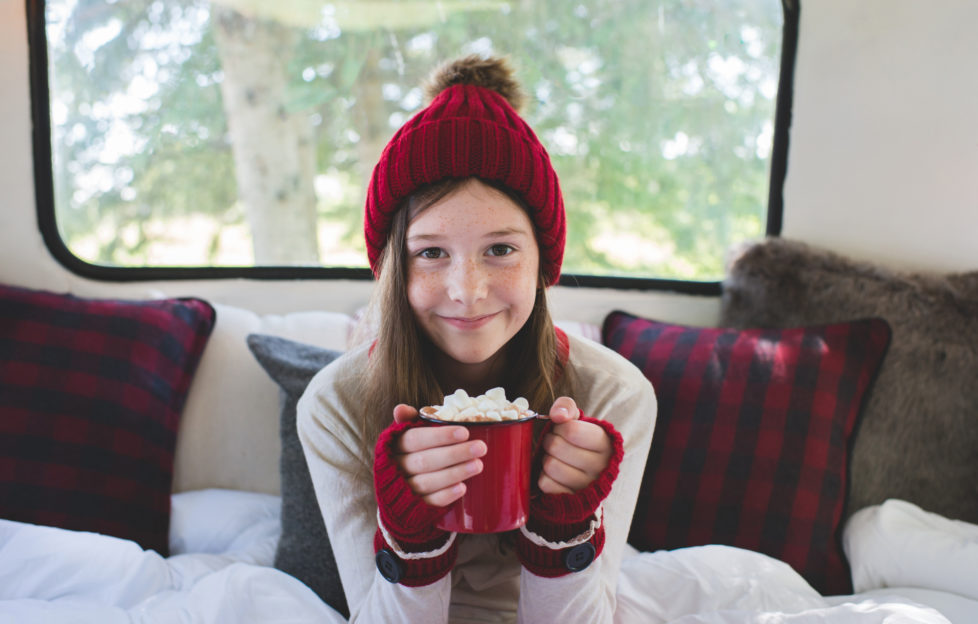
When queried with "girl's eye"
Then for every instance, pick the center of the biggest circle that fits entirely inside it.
(431, 253)
(500, 250)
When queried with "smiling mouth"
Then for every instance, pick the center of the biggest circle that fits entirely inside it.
(473, 322)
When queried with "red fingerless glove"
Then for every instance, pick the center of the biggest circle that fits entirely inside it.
(408, 520)
(564, 517)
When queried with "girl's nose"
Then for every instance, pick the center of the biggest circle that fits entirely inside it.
(468, 282)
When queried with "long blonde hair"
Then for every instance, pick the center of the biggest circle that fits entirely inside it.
(400, 369)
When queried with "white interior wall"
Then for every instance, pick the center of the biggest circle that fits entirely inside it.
(883, 163)
(884, 142)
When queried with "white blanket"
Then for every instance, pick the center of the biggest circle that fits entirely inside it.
(898, 544)
(223, 543)
(724, 585)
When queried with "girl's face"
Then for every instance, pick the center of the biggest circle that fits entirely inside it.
(473, 265)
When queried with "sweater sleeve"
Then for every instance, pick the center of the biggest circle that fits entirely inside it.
(341, 474)
(564, 532)
(409, 547)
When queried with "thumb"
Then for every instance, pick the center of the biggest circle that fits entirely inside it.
(564, 409)
(404, 413)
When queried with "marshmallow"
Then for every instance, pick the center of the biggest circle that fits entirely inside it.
(491, 406)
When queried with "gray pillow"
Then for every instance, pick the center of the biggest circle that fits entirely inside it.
(303, 550)
(918, 437)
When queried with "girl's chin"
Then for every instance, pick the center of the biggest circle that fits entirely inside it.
(470, 358)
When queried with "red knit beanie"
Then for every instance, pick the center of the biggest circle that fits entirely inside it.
(470, 128)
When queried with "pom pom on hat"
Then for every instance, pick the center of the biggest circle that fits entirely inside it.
(493, 73)
(471, 128)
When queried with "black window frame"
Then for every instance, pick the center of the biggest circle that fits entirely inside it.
(44, 188)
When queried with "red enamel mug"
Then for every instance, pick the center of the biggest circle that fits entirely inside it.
(498, 498)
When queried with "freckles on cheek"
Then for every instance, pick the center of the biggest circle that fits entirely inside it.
(421, 287)
(519, 277)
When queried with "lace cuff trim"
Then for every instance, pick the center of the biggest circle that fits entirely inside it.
(580, 539)
(407, 556)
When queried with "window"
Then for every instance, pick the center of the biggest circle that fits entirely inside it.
(238, 133)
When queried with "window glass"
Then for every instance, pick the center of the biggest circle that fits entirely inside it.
(242, 133)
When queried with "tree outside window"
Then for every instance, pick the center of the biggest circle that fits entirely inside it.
(242, 132)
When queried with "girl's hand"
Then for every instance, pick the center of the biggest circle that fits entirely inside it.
(437, 460)
(575, 452)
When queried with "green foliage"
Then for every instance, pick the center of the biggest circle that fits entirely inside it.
(657, 115)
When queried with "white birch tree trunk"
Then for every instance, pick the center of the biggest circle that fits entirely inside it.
(274, 150)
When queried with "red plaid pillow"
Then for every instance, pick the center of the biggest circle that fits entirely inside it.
(752, 436)
(90, 398)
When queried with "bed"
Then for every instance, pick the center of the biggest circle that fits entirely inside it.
(201, 462)
(223, 544)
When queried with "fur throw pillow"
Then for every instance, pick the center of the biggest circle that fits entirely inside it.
(918, 437)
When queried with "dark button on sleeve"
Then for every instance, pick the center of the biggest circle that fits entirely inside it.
(389, 565)
(579, 557)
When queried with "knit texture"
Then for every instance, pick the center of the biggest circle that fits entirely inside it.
(468, 131)
(562, 517)
(421, 572)
(407, 518)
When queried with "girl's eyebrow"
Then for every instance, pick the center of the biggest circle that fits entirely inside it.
(494, 234)
(506, 232)
(425, 237)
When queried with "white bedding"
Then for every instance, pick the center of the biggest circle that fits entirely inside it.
(724, 585)
(223, 543)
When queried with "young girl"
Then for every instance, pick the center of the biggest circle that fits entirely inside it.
(465, 231)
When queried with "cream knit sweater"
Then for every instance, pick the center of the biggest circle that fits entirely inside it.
(487, 583)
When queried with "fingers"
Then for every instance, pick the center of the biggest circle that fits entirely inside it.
(436, 460)
(444, 487)
(575, 453)
(570, 467)
(584, 435)
(563, 410)
(444, 498)
(560, 478)
(404, 413)
(423, 438)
